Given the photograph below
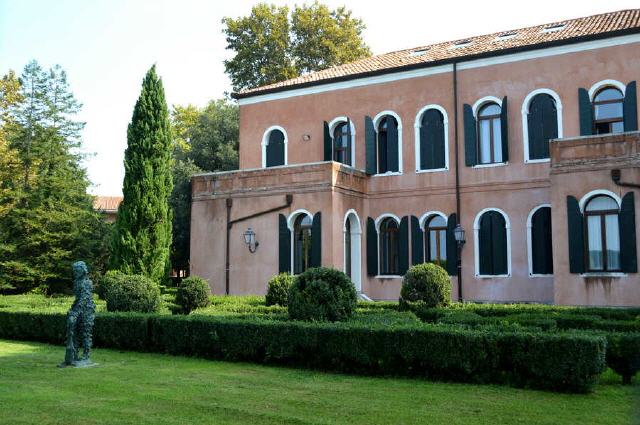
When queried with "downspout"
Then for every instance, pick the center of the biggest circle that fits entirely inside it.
(230, 223)
(455, 127)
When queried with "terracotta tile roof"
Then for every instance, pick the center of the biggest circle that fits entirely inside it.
(561, 32)
(106, 203)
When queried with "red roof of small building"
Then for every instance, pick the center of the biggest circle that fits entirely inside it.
(107, 203)
(504, 42)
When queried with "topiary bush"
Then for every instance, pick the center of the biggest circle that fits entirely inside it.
(426, 283)
(124, 292)
(321, 294)
(278, 289)
(193, 293)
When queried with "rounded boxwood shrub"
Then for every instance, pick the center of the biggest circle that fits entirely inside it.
(125, 292)
(427, 283)
(193, 293)
(278, 289)
(322, 294)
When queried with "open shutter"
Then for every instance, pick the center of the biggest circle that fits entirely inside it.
(627, 219)
(316, 241)
(284, 252)
(452, 246)
(370, 145)
(351, 161)
(372, 248)
(392, 145)
(403, 249)
(576, 236)
(630, 108)
(586, 113)
(504, 130)
(328, 151)
(417, 242)
(470, 138)
(500, 255)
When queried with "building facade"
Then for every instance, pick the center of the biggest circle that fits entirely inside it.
(526, 139)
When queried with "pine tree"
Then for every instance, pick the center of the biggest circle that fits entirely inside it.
(142, 237)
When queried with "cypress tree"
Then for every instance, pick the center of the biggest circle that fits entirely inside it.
(142, 238)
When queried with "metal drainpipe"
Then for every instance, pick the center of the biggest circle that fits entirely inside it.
(455, 121)
(230, 223)
(616, 176)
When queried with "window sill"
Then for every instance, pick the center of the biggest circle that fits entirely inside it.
(435, 170)
(603, 274)
(388, 276)
(535, 275)
(390, 173)
(492, 276)
(537, 161)
(497, 164)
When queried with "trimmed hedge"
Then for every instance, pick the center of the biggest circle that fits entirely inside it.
(427, 283)
(322, 294)
(278, 289)
(192, 293)
(564, 362)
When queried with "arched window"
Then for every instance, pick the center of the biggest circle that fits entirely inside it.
(342, 143)
(302, 243)
(274, 148)
(608, 111)
(387, 145)
(540, 246)
(603, 234)
(435, 240)
(489, 134)
(389, 246)
(432, 138)
(542, 125)
(492, 244)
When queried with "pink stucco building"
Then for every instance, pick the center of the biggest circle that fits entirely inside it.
(527, 140)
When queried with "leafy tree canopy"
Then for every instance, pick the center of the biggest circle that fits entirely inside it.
(273, 45)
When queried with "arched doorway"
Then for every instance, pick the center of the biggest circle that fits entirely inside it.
(352, 248)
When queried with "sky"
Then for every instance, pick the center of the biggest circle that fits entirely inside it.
(106, 47)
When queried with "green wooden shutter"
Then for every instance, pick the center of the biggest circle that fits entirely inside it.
(417, 242)
(541, 247)
(426, 151)
(432, 140)
(504, 130)
(549, 124)
(370, 145)
(627, 219)
(452, 245)
(630, 108)
(328, 143)
(284, 260)
(470, 137)
(351, 161)
(575, 229)
(438, 141)
(403, 248)
(586, 113)
(275, 149)
(485, 244)
(499, 248)
(372, 248)
(542, 125)
(392, 145)
(316, 241)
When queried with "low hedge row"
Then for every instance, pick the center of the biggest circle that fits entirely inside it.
(564, 362)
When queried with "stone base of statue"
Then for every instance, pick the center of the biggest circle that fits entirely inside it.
(80, 364)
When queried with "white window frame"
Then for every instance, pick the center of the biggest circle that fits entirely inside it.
(476, 243)
(290, 224)
(606, 83)
(265, 143)
(376, 120)
(422, 222)
(356, 249)
(583, 201)
(525, 123)
(418, 124)
(377, 223)
(332, 126)
(476, 107)
(530, 241)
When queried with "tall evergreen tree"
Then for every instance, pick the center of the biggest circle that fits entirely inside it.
(142, 238)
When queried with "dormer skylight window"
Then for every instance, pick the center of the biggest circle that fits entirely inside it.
(419, 52)
(460, 43)
(553, 28)
(506, 36)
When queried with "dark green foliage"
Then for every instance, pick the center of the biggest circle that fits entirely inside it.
(428, 283)
(142, 238)
(322, 294)
(623, 354)
(193, 293)
(564, 362)
(135, 293)
(278, 289)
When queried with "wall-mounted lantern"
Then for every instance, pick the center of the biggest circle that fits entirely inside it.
(458, 234)
(250, 240)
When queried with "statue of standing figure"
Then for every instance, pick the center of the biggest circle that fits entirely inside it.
(80, 319)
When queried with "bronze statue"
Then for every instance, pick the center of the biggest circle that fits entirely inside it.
(80, 319)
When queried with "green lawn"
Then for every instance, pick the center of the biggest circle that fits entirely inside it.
(140, 389)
